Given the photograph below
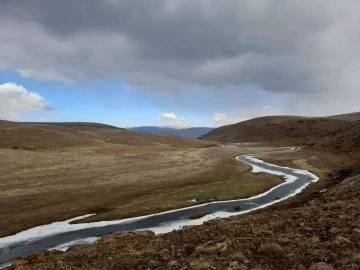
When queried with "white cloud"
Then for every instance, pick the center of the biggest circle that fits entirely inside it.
(183, 122)
(167, 116)
(15, 98)
(218, 117)
(171, 45)
(176, 122)
(244, 114)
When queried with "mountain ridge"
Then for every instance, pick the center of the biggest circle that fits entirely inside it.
(335, 132)
(193, 132)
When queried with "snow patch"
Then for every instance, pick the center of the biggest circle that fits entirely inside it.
(84, 241)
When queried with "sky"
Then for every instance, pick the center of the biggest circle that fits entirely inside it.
(177, 63)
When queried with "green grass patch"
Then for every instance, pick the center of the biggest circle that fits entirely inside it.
(229, 189)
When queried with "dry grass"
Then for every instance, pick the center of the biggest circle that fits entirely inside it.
(200, 265)
(23, 161)
(42, 186)
(321, 266)
(239, 256)
(198, 215)
(302, 238)
(271, 249)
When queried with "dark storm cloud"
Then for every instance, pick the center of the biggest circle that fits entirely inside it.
(277, 46)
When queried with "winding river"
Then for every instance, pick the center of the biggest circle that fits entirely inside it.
(61, 235)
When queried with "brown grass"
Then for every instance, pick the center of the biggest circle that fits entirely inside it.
(42, 186)
(233, 243)
(272, 249)
(339, 133)
(199, 265)
(198, 215)
(321, 266)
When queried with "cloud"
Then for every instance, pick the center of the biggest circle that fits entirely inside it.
(254, 112)
(218, 117)
(15, 99)
(171, 45)
(244, 114)
(177, 122)
(224, 119)
(167, 116)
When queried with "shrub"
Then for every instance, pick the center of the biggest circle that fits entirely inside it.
(272, 248)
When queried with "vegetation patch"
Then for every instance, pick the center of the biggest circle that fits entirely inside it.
(229, 189)
(198, 215)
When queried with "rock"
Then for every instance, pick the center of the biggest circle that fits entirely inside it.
(315, 240)
(342, 240)
(235, 266)
(356, 230)
(173, 263)
(154, 263)
(356, 258)
(222, 247)
(321, 266)
(300, 267)
(284, 240)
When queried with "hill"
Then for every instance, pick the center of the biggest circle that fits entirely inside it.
(345, 139)
(328, 131)
(349, 116)
(194, 132)
(35, 136)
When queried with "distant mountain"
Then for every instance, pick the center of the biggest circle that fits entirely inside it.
(194, 132)
(49, 136)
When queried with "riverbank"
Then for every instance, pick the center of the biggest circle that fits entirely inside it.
(42, 186)
(320, 234)
(61, 234)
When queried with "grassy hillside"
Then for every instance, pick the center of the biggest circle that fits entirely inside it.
(317, 229)
(349, 116)
(37, 136)
(344, 139)
(331, 131)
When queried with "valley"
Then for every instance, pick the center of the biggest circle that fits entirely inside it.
(116, 173)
